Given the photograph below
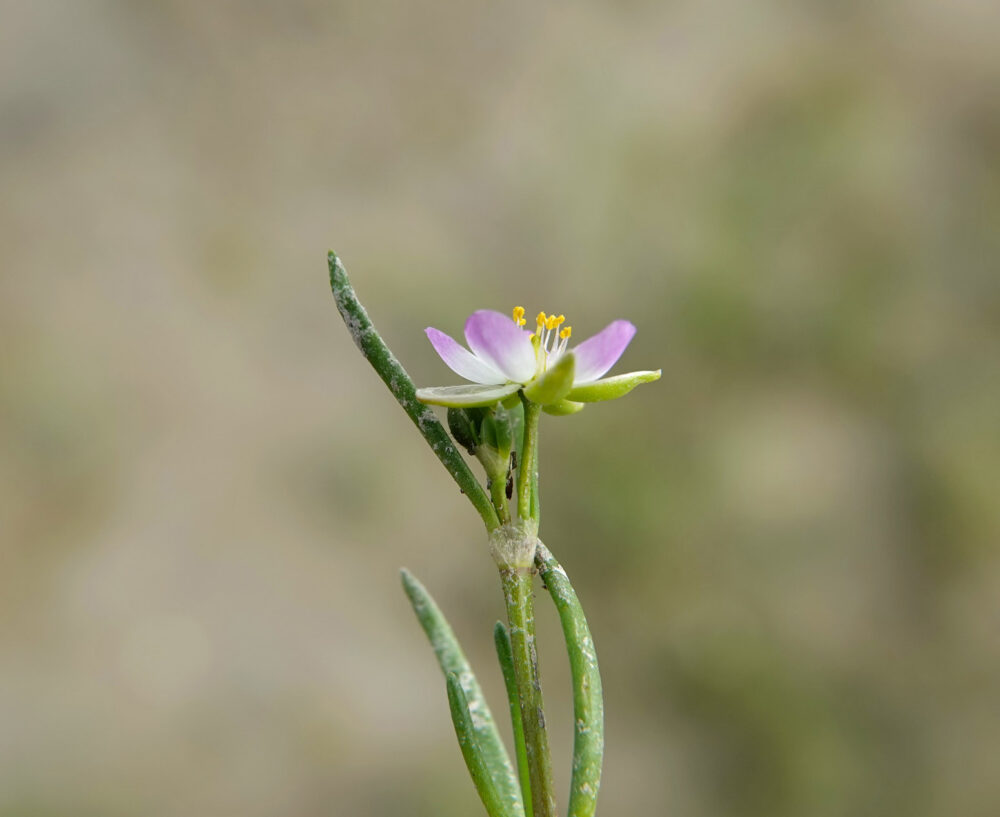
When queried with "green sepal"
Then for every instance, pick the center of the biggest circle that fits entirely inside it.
(468, 396)
(511, 402)
(563, 407)
(611, 388)
(453, 661)
(465, 730)
(554, 383)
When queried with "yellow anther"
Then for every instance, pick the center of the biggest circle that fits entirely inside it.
(540, 320)
(551, 322)
(560, 320)
(566, 332)
(519, 315)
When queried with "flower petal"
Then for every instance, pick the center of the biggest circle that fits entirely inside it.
(599, 353)
(467, 396)
(495, 338)
(461, 361)
(610, 388)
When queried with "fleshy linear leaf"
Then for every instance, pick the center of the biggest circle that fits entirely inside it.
(452, 660)
(465, 730)
(588, 700)
(554, 383)
(611, 388)
(505, 656)
(466, 396)
(378, 354)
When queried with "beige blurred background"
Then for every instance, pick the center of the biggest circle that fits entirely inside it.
(787, 548)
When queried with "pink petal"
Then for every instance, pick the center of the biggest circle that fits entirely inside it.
(599, 353)
(461, 361)
(495, 338)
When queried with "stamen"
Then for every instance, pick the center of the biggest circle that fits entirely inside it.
(519, 315)
(565, 333)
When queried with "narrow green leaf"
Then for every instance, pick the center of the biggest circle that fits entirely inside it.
(554, 383)
(611, 388)
(452, 660)
(466, 396)
(461, 717)
(505, 656)
(588, 701)
(401, 385)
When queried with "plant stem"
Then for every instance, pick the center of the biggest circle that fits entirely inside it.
(528, 467)
(497, 485)
(521, 620)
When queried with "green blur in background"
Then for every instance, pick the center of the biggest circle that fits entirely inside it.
(787, 548)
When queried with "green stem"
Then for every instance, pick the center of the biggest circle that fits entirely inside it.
(588, 701)
(401, 385)
(521, 619)
(497, 485)
(527, 477)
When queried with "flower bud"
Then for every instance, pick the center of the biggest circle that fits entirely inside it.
(463, 425)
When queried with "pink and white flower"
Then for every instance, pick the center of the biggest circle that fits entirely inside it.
(505, 358)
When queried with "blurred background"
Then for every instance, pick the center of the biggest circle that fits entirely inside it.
(787, 547)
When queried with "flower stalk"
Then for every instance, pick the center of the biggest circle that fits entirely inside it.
(527, 478)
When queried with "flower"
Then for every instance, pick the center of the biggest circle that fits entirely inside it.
(505, 358)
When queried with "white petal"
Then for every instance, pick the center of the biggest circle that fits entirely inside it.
(461, 361)
(495, 338)
(599, 353)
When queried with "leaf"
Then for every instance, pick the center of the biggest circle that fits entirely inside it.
(378, 354)
(611, 388)
(466, 396)
(465, 730)
(453, 661)
(506, 658)
(588, 699)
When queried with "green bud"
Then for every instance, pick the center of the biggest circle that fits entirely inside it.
(488, 431)
(554, 384)
(463, 429)
(503, 431)
(494, 441)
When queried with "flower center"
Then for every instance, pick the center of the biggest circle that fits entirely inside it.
(548, 339)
